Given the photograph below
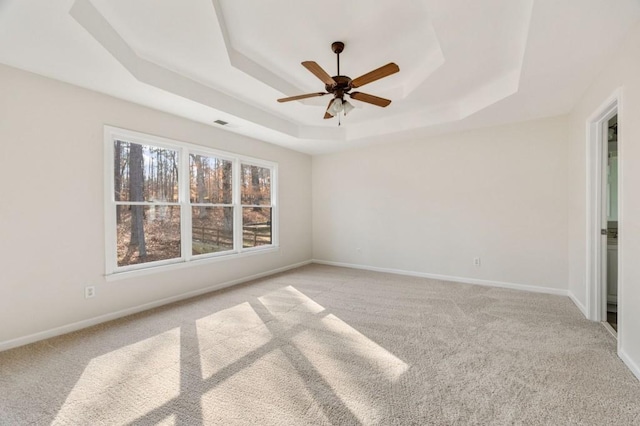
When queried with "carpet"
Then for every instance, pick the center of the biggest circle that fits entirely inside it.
(322, 345)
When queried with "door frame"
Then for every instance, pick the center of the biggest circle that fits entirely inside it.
(597, 149)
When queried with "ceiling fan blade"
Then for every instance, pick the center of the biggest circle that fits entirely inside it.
(376, 74)
(319, 72)
(308, 95)
(370, 99)
(326, 112)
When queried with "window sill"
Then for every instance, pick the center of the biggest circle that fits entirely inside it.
(123, 275)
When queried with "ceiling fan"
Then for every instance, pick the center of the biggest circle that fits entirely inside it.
(341, 85)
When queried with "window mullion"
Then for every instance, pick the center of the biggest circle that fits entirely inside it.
(110, 207)
(237, 209)
(143, 203)
(185, 208)
(275, 223)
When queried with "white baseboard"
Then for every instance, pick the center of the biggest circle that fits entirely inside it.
(68, 328)
(576, 302)
(630, 363)
(610, 329)
(488, 283)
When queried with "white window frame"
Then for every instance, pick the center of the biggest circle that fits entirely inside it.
(188, 245)
(243, 206)
(112, 270)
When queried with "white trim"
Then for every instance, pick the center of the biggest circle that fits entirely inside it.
(275, 205)
(110, 238)
(487, 283)
(194, 261)
(576, 302)
(146, 266)
(206, 152)
(145, 203)
(620, 303)
(68, 328)
(610, 329)
(149, 139)
(236, 192)
(635, 369)
(186, 228)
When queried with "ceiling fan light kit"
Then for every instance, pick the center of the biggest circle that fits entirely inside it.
(347, 108)
(334, 107)
(341, 85)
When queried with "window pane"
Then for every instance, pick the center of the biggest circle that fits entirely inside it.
(256, 226)
(147, 233)
(212, 229)
(256, 185)
(210, 180)
(145, 173)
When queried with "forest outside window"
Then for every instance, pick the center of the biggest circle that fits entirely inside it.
(146, 203)
(170, 202)
(211, 204)
(256, 205)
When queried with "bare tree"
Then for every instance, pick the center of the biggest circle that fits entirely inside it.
(136, 193)
(117, 182)
(200, 186)
(256, 195)
(226, 189)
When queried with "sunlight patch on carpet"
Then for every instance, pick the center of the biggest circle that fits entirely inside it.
(288, 298)
(269, 391)
(110, 382)
(231, 321)
(229, 335)
(377, 356)
(230, 350)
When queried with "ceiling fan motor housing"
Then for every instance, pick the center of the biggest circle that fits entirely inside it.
(343, 85)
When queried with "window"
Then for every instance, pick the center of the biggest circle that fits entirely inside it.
(170, 202)
(146, 203)
(256, 205)
(211, 195)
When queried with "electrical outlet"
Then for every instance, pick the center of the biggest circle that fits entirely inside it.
(89, 292)
(476, 261)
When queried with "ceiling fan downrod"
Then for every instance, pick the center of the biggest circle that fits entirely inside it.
(337, 47)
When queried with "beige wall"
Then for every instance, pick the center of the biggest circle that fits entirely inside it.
(52, 216)
(431, 206)
(622, 71)
(512, 195)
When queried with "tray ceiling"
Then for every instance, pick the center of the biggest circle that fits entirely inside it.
(463, 64)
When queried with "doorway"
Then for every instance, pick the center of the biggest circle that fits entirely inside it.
(611, 282)
(603, 215)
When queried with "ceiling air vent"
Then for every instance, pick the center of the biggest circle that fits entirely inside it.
(221, 122)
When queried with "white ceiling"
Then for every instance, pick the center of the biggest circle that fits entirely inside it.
(463, 64)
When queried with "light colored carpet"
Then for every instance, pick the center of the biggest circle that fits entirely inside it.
(323, 345)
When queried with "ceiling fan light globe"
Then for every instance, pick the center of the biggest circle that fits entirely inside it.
(347, 107)
(336, 106)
